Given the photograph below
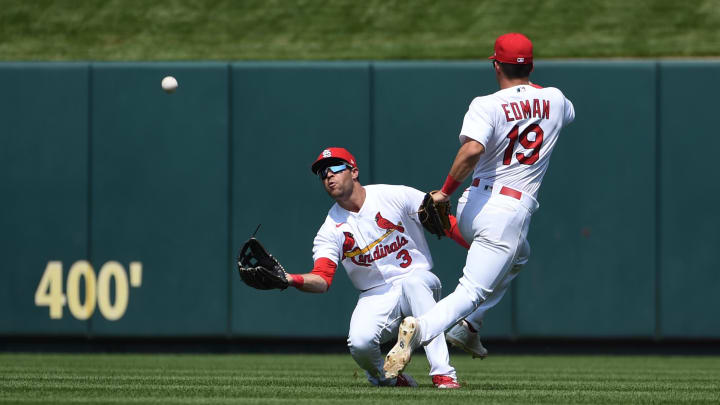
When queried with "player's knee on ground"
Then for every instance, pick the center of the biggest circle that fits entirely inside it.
(365, 350)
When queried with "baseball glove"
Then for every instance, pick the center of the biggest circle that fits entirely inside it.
(434, 216)
(259, 269)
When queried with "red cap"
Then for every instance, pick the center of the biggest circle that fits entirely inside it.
(513, 48)
(330, 154)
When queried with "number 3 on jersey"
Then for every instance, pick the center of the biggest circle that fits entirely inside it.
(404, 255)
(534, 145)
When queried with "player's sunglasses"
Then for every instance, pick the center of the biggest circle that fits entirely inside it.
(322, 173)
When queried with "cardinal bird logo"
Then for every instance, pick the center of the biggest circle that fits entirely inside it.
(348, 244)
(387, 225)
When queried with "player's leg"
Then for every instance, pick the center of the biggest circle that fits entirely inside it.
(476, 317)
(420, 291)
(375, 316)
(467, 210)
(465, 334)
(500, 228)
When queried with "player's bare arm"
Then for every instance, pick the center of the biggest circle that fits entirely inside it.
(467, 157)
(311, 283)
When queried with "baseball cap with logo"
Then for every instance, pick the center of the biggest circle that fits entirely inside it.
(513, 48)
(332, 155)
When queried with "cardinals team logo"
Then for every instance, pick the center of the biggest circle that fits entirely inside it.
(363, 257)
(385, 224)
(326, 153)
(349, 245)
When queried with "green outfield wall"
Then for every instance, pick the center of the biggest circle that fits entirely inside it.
(122, 207)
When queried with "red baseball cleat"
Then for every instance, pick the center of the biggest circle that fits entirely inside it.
(445, 382)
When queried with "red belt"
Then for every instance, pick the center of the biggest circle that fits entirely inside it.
(504, 190)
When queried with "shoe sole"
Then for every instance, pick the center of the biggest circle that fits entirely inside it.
(447, 387)
(461, 345)
(399, 356)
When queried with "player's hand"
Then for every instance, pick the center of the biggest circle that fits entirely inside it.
(438, 196)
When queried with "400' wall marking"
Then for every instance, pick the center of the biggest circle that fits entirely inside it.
(97, 289)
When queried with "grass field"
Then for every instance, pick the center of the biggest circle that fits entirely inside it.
(351, 29)
(173, 379)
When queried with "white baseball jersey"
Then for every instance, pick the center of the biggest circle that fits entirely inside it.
(518, 127)
(382, 242)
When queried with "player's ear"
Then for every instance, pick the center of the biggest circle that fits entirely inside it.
(532, 67)
(355, 173)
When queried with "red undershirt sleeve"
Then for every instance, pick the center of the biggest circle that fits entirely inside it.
(325, 268)
(454, 233)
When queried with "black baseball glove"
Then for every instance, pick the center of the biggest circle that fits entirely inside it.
(434, 216)
(259, 269)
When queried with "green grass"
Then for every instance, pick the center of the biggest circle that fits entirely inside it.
(351, 29)
(182, 379)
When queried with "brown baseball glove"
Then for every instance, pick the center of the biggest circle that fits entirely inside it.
(434, 216)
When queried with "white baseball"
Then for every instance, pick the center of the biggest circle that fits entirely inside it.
(169, 84)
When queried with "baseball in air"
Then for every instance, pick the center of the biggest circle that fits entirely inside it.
(169, 84)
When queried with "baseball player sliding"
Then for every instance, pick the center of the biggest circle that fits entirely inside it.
(506, 141)
(375, 232)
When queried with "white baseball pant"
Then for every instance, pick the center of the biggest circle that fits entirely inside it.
(497, 225)
(378, 314)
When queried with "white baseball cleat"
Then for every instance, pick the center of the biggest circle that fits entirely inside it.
(408, 340)
(461, 336)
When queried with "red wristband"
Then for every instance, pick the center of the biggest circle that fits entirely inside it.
(297, 280)
(450, 185)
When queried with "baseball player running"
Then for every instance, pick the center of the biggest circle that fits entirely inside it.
(506, 141)
(375, 232)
